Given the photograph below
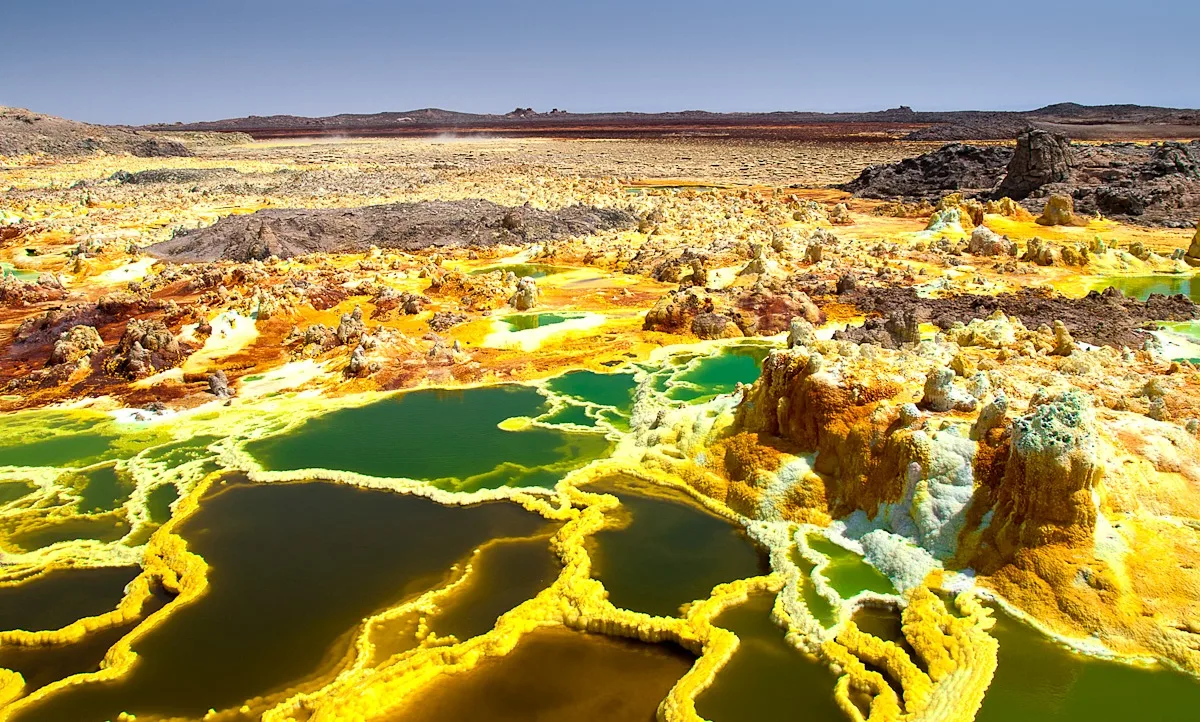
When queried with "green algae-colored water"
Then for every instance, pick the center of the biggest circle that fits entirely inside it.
(42, 665)
(532, 270)
(69, 439)
(820, 607)
(21, 274)
(102, 489)
(612, 394)
(847, 572)
(767, 679)
(555, 674)
(505, 575)
(615, 389)
(181, 452)
(571, 414)
(717, 374)
(292, 569)
(450, 438)
(1038, 679)
(10, 491)
(527, 321)
(108, 527)
(1140, 287)
(56, 599)
(672, 551)
(159, 501)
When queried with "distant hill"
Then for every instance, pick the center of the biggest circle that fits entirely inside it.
(24, 132)
(1113, 121)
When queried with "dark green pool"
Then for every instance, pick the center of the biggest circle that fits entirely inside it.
(532, 270)
(672, 552)
(1140, 287)
(101, 489)
(717, 374)
(555, 674)
(505, 575)
(56, 599)
(448, 437)
(767, 679)
(527, 321)
(1038, 679)
(292, 569)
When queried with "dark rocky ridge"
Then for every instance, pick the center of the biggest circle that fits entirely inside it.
(1104, 122)
(1155, 184)
(285, 233)
(24, 132)
(954, 167)
(1102, 319)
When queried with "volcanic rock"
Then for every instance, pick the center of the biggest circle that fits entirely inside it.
(1041, 157)
(285, 233)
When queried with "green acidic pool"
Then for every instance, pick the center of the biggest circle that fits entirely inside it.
(69, 438)
(42, 665)
(56, 599)
(101, 489)
(718, 374)
(159, 501)
(10, 491)
(527, 321)
(615, 390)
(767, 679)
(292, 569)
(555, 674)
(450, 438)
(1038, 679)
(1140, 287)
(108, 527)
(847, 572)
(571, 414)
(671, 552)
(504, 575)
(532, 270)
(820, 607)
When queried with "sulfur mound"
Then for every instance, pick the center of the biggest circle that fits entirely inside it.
(1045, 495)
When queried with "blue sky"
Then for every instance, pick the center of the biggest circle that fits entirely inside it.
(143, 62)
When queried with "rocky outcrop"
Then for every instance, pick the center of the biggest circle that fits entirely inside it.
(954, 167)
(942, 395)
(894, 330)
(146, 347)
(1059, 211)
(75, 344)
(526, 295)
(714, 325)
(350, 327)
(1041, 157)
(674, 312)
(26, 132)
(218, 385)
(1045, 494)
(985, 242)
(1193, 252)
